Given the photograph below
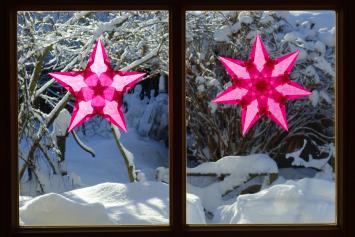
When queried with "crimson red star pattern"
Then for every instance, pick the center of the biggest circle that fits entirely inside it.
(98, 89)
(261, 86)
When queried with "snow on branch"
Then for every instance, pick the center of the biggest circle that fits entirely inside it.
(83, 145)
(126, 154)
(147, 57)
(77, 16)
(104, 27)
(313, 163)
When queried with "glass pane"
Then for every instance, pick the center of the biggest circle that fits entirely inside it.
(260, 109)
(93, 118)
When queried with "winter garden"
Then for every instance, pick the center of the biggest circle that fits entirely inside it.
(99, 175)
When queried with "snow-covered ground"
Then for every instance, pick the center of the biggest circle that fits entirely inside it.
(298, 195)
(307, 200)
(108, 164)
(103, 204)
(106, 204)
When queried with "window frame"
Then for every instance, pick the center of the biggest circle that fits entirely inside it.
(177, 126)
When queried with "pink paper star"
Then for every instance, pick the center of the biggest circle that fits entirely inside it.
(261, 86)
(98, 89)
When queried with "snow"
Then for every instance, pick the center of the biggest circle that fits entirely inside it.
(238, 169)
(108, 165)
(128, 155)
(315, 163)
(311, 73)
(302, 55)
(314, 98)
(244, 17)
(155, 117)
(311, 26)
(242, 165)
(290, 37)
(266, 18)
(194, 209)
(162, 174)
(320, 19)
(325, 66)
(106, 203)
(144, 152)
(303, 201)
(291, 198)
(52, 182)
(251, 35)
(325, 96)
(320, 47)
(222, 35)
(162, 80)
(213, 107)
(200, 79)
(327, 36)
(308, 200)
(56, 209)
(148, 116)
(61, 123)
(201, 88)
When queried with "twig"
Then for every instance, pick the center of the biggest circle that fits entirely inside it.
(49, 119)
(49, 160)
(82, 145)
(129, 164)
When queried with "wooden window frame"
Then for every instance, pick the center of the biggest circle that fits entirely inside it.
(177, 128)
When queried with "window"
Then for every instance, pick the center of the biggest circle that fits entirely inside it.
(177, 124)
(72, 163)
(249, 167)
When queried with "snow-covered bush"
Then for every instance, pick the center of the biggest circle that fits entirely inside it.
(149, 115)
(215, 129)
(62, 41)
(235, 175)
(303, 201)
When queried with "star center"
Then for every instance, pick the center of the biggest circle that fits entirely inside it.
(99, 89)
(261, 86)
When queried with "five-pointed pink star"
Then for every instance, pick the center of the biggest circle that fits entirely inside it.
(98, 89)
(261, 86)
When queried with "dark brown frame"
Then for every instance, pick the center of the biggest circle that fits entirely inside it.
(8, 168)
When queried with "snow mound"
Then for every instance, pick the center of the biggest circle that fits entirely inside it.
(308, 200)
(237, 170)
(55, 209)
(194, 209)
(243, 165)
(106, 203)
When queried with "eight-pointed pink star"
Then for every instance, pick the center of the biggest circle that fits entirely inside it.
(98, 89)
(261, 86)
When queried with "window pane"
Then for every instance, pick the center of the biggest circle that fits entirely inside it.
(260, 125)
(111, 167)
